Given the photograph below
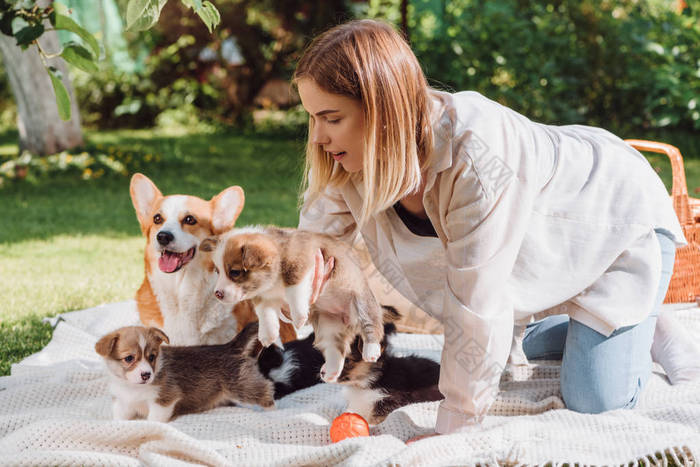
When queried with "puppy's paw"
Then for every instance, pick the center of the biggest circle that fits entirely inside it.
(122, 412)
(299, 322)
(267, 336)
(371, 352)
(159, 413)
(330, 373)
(269, 405)
(299, 316)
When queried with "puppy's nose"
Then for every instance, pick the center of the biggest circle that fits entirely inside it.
(219, 294)
(145, 375)
(164, 237)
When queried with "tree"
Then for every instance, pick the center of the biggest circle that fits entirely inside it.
(41, 128)
(27, 21)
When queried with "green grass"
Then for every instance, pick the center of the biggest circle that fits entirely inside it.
(68, 244)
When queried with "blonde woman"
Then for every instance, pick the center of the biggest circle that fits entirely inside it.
(484, 218)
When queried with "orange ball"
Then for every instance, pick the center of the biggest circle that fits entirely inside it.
(348, 425)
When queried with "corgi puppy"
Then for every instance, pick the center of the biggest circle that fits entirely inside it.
(376, 389)
(372, 389)
(274, 267)
(177, 293)
(159, 381)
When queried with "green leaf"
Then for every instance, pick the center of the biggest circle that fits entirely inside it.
(62, 99)
(209, 15)
(27, 35)
(142, 14)
(60, 8)
(79, 57)
(6, 18)
(60, 21)
(194, 4)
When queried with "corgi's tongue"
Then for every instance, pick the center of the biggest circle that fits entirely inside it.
(171, 262)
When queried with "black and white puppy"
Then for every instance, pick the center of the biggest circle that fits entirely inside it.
(372, 389)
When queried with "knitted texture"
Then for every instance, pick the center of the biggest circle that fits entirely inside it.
(55, 410)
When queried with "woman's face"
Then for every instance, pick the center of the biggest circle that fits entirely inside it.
(338, 124)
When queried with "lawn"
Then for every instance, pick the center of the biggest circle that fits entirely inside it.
(67, 243)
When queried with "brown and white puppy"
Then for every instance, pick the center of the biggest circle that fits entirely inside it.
(160, 382)
(177, 294)
(275, 267)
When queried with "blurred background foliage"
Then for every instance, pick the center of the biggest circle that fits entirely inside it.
(191, 77)
(630, 65)
(621, 64)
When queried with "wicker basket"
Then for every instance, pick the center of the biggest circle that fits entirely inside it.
(685, 281)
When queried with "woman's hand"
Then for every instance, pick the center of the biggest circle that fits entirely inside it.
(322, 271)
(420, 437)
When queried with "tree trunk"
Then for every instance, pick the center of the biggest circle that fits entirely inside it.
(404, 21)
(41, 130)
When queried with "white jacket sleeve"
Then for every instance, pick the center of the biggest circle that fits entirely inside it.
(485, 223)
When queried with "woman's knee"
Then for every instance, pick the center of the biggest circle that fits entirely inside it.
(588, 394)
(546, 338)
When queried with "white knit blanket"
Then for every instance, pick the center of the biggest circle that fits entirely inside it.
(55, 410)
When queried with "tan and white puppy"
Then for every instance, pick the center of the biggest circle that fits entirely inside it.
(275, 267)
(159, 382)
(177, 294)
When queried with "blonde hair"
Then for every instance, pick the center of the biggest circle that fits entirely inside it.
(369, 61)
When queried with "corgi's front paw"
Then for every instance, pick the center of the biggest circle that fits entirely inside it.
(371, 352)
(330, 372)
(159, 413)
(269, 406)
(267, 336)
(299, 316)
(122, 412)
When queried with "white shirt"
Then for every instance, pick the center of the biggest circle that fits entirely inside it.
(532, 218)
(423, 262)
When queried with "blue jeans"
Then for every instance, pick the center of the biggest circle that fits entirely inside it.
(601, 373)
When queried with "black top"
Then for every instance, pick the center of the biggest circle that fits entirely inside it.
(417, 226)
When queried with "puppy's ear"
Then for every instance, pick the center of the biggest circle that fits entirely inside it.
(391, 315)
(226, 207)
(106, 344)
(257, 253)
(158, 335)
(355, 350)
(144, 194)
(246, 342)
(208, 244)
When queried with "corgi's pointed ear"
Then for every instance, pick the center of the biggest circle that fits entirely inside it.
(257, 253)
(226, 207)
(144, 194)
(158, 335)
(391, 314)
(106, 344)
(246, 342)
(208, 244)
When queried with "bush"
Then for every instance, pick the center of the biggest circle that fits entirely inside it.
(630, 63)
(88, 163)
(113, 99)
(215, 74)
